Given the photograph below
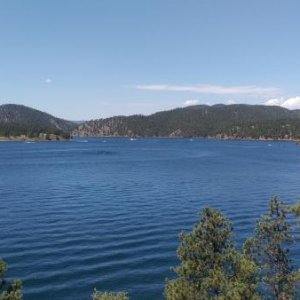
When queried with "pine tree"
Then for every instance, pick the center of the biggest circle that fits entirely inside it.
(211, 267)
(10, 290)
(295, 209)
(269, 248)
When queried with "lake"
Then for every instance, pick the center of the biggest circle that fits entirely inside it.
(106, 212)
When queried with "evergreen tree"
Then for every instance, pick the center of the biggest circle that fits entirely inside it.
(269, 248)
(295, 209)
(211, 267)
(9, 290)
(3, 270)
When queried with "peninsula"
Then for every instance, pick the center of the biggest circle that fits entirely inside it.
(19, 123)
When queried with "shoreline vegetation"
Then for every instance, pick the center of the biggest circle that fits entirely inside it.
(57, 138)
(218, 137)
(42, 137)
(211, 267)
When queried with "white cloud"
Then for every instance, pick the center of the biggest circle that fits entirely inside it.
(231, 102)
(48, 80)
(276, 102)
(191, 102)
(212, 89)
(290, 103)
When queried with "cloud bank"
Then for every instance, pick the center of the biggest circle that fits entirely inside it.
(290, 103)
(212, 89)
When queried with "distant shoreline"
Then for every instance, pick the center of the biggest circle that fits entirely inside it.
(60, 139)
(27, 139)
(194, 137)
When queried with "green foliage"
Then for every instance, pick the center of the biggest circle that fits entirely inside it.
(109, 296)
(3, 268)
(295, 209)
(269, 248)
(13, 292)
(211, 267)
(9, 290)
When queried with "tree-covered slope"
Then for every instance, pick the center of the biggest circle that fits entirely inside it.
(17, 120)
(227, 121)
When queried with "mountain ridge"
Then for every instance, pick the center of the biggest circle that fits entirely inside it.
(221, 121)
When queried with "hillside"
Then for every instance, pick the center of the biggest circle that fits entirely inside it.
(221, 121)
(25, 122)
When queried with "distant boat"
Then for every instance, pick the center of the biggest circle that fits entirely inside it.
(132, 139)
(82, 141)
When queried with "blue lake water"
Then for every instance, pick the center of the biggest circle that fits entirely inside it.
(107, 213)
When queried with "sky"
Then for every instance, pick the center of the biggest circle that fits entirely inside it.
(91, 59)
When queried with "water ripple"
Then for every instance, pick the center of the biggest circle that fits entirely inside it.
(76, 216)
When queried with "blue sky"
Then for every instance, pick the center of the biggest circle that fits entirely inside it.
(98, 58)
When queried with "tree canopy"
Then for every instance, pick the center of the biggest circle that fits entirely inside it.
(9, 290)
(210, 265)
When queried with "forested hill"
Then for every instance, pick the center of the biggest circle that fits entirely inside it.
(19, 120)
(221, 121)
